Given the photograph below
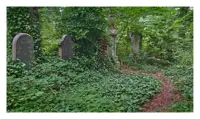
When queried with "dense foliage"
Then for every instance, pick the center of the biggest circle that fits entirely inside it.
(89, 82)
(182, 77)
(167, 33)
(49, 19)
(167, 45)
(23, 20)
(85, 24)
(72, 86)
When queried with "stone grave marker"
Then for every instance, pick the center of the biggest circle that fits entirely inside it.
(65, 47)
(22, 48)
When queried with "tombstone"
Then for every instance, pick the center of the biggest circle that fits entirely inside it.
(22, 48)
(135, 42)
(65, 47)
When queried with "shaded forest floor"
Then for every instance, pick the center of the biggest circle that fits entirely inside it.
(161, 100)
(78, 85)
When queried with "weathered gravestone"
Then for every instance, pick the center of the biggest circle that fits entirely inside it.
(65, 47)
(22, 48)
(135, 42)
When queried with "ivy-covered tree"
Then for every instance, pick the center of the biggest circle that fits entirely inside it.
(86, 25)
(25, 20)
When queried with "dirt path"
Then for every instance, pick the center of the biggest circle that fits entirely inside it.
(164, 98)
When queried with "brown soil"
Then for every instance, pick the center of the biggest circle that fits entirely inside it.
(159, 101)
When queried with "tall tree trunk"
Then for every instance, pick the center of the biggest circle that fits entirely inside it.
(34, 19)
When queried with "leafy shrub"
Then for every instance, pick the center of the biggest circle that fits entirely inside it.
(86, 25)
(179, 70)
(139, 64)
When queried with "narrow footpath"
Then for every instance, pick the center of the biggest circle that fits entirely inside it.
(164, 98)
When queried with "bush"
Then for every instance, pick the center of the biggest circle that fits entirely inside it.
(140, 64)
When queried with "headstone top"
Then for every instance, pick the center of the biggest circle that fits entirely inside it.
(65, 47)
(65, 37)
(22, 48)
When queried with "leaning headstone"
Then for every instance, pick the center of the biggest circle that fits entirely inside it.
(22, 48)
(65, 47)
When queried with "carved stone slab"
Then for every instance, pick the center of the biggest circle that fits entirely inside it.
(22, 48)
(65, 47)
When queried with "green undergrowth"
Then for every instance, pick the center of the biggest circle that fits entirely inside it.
(181, 106)
(141, 64)
(182, 77)
(77, 85)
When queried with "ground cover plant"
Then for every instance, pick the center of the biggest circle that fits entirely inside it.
(182, 77)
(67, 86)
(153, 62)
